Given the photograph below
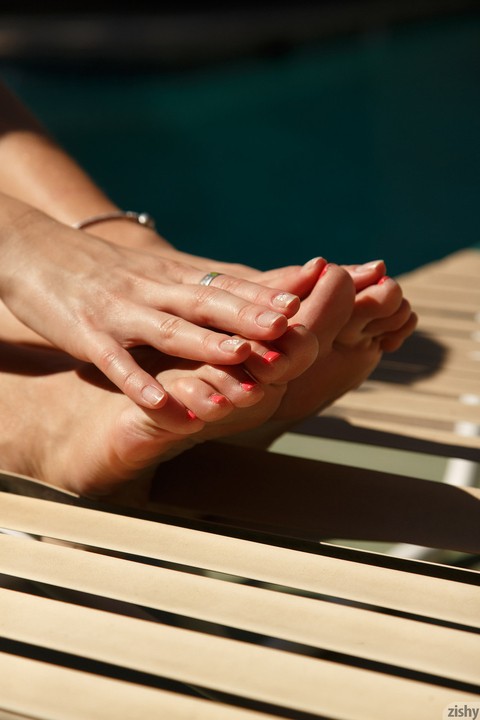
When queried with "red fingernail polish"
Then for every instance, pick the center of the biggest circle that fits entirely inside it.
(191, 415)
(271, 356)
(248, 385)
(383, 279)
(218, 399)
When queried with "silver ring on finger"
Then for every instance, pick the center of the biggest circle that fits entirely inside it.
(209, 277)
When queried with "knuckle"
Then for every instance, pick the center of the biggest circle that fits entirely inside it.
(108, 360)
(112, 365)
(203, 295)
(251, 292)
(228, 283)
(130, 381)
(247, 313)
(169, 328)
(207, 343)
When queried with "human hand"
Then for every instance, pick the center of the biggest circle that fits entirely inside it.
(96, 300)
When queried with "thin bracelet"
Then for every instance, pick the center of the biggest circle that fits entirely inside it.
(141, 218)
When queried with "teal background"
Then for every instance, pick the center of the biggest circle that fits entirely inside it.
(354, 148)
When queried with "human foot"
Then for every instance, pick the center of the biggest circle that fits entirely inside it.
(380, 322)
(324, 313)
(66, 425)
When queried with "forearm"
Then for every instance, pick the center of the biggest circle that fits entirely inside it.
(38, 172)
(35, 170)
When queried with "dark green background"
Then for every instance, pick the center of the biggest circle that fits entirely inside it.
(356, 148)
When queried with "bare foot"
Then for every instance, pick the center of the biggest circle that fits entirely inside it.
(64, 424)
(380, 322)
(66, 427)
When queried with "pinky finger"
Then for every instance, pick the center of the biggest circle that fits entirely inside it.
(118, 365)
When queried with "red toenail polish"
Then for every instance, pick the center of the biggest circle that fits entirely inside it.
(247, 385)
(383, 280)
(191, 415)
(271, 356)
(325, 269)
(218, 399)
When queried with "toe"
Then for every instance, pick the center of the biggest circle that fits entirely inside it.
(201, 398)
(391, 323)
(285, 359)
(367, 274)
(329, 306)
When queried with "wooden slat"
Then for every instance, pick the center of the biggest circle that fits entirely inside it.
(454, 388)
(449, 304)
(401, 426)
(339, 628)
(379, 586)
(33, 689)
(242, 669)
(440, 411)
(463, 266)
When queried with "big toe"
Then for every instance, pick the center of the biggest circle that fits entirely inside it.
(329, 306)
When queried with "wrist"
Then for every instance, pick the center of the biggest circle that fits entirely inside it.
(130, 229)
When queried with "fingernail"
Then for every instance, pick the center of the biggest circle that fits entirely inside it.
(284, 299)
(366, 267)
(152, 395)
(218, 399)
(233, 344)
(383, 280)
(191, 415)
(267, 319)
(311, 263)
(248, 385)
(271, 356)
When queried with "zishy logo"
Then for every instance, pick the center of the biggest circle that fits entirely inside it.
(462, 710)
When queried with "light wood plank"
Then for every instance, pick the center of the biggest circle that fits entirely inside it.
(429, 596)
(263, 674)
(407, 643)
(48, 692)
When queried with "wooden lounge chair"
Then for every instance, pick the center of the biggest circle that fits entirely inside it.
(226, 598)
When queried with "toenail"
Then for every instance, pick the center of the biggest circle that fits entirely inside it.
(218, 399)
(191, 415)
(359, 269)
(271, 356)
(152, 395)
(383, 280)
(248, 385)
(325, 269)
(313, 262)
